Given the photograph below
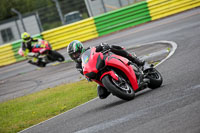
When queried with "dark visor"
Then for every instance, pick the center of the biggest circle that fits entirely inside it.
(76, 55)
(27, 38)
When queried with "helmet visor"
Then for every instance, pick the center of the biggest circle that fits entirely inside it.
(75, 55)
(27, 39)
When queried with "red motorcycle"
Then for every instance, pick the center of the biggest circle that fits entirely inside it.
(42, 54)
(117, 74)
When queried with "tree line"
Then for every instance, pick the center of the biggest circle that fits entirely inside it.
(25, 6)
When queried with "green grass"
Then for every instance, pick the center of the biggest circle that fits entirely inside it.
(22, 112)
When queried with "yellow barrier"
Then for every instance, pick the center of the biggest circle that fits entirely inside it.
(6, 55)
(162, 8)
(60, 37)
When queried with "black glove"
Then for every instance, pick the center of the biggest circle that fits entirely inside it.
(89, 80)
(105, 46)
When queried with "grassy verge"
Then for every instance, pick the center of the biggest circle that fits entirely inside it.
(22, 112)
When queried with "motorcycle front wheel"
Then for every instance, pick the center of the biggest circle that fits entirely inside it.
(121, 89)
(42, 64)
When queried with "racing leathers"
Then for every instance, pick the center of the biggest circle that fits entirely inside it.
(27, 48)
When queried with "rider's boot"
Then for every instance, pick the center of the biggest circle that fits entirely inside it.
(102, 92)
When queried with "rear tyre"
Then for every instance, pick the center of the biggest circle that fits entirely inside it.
(57, 56)
(119, 89)
(155, 78)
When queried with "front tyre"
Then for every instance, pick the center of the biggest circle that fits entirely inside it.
(155, 78)
(120, 89)
(41, 64)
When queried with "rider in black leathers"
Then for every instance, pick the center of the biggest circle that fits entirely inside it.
(75, 49)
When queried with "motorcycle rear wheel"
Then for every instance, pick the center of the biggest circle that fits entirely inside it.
(155, 78)
(124, 92)
(57, 56)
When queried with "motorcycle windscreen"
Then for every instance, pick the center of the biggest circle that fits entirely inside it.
(89, 61)
(85, 56)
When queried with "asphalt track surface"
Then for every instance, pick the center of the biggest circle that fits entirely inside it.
(172, 108)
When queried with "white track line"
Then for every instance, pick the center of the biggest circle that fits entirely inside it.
(174, 47)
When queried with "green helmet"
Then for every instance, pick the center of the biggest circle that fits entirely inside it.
(25, 37)
(75, 49)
